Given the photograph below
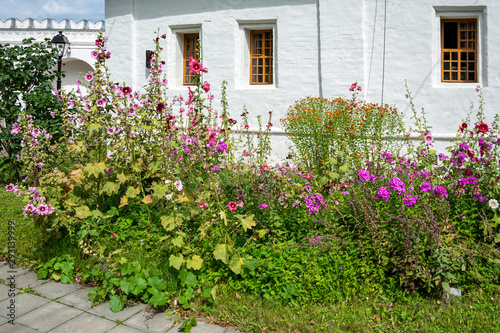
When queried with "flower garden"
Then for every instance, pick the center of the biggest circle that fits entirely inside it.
(173, 202)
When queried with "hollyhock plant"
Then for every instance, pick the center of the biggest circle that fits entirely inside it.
(232, 206)
(196, 66)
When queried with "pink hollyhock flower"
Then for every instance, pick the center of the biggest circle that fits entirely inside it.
(428, 138)
(262, 206)
(196, 66)
(164, 36)
(9, 187)
(240, 204)
(94, 54)
(206, 86)
(232, 205)
(15, 129)
(40, 165)
(265, 167)
(482, 128)
(110, 131)
(42, 209)
(89, 76)
(246, 153)
(191, 97)
(246, 126)
(29, 208)
(203, 205)
(160, 107)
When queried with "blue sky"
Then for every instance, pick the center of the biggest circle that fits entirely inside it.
(57, 9)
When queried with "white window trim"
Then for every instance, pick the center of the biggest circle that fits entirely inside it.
(242, 51)
(457, 12)
(175, 63)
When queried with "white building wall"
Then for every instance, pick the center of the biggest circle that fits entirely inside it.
(81, 35)
(321, 47)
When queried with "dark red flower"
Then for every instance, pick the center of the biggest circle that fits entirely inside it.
(160, 107)
(470, 153)
(150, 55)
(483, 128)
(126, 90)
(464, 126)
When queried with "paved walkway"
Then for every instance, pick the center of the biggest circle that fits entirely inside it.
(63, 308)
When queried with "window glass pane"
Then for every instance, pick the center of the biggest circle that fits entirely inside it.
(463, 66)
(463, 35)
(463, 76)
(454, 76)
(268, 35)
(259, 78)
(454, 55)
(454, 66)
(261, 61)
(471, 66)
(446, 56)
(472, 76)
(463, 26)
(463, 45)
(471, 56)
(260, 70)
(446, 76)
(446, 66)
(472, 45)
(471, 35)
(463, 55)
(450, 35)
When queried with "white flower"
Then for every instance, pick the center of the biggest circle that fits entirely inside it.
(169, 196)
(493, 203)
(167, 182)
(178, 185)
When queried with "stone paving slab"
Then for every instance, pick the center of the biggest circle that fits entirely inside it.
(203, 327)
(78, 299)
(4, 292)
(85, 323)
(126, 313)
(48, 316)
(154, 323)
(54, 290)
(124, 329)
(17, 328)
(29, 280)
(24, 303)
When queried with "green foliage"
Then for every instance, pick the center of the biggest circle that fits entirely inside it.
(26, 76)
(59, 268)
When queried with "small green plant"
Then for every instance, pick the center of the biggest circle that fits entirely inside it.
(61, 268)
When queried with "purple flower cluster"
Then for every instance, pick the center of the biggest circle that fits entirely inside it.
(314, 202)
(383, 194)
(397, 184)
(363, 175)
(410, 200)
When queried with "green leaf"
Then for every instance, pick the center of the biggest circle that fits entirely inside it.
(223, 216)
(160, 190)
(126, 286)
(159, 298)
(42, 274)
(116, 304)
(157, 283)
(176, 261)
(95, 169)
(344, 168)
(140, 286)
(122, 178)
(82, 212)
(187, 278)
(446, 286)
(195, 262)
(110, 188)
(222, 252)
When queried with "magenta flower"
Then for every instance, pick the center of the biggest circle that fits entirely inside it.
(93, 54)
(262, 206)
(206, 86)
(191, 97)
(110, 131)
(42, 209)
(383, 194)
(89, 76)
(9, 187)
(29, 208)
(425, 187)
(397, 184)
(196, 66)
(410, 201)
(364, 175)
(232, 206)
(39, 164)
(15, 129)
(440, 192)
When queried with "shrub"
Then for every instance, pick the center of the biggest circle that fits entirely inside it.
(321, 128)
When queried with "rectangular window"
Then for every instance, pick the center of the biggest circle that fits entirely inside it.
(190, 50)
(459, 50)
(261, 57)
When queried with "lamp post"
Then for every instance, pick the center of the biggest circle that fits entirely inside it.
(61, 43)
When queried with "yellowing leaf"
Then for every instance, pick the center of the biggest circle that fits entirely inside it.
(110, 188)
(82, 212)
(223, 216)
(94, 128)
(259, 234)
(178, 241)
(132, 192)
(160, 190)
(247, 222)
(176, 261)
(137, 165)
(195, 262)
(122, 178)
(222, 251)
(237, 263)
(147, 199)
(123, 201)
(168, 222)
(76, 175)
(95, 169)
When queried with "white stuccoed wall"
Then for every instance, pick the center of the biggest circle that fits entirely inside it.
(321, 47)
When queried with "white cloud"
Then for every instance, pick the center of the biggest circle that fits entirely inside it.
(56, 9)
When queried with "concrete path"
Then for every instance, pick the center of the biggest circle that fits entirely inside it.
(62, 308)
